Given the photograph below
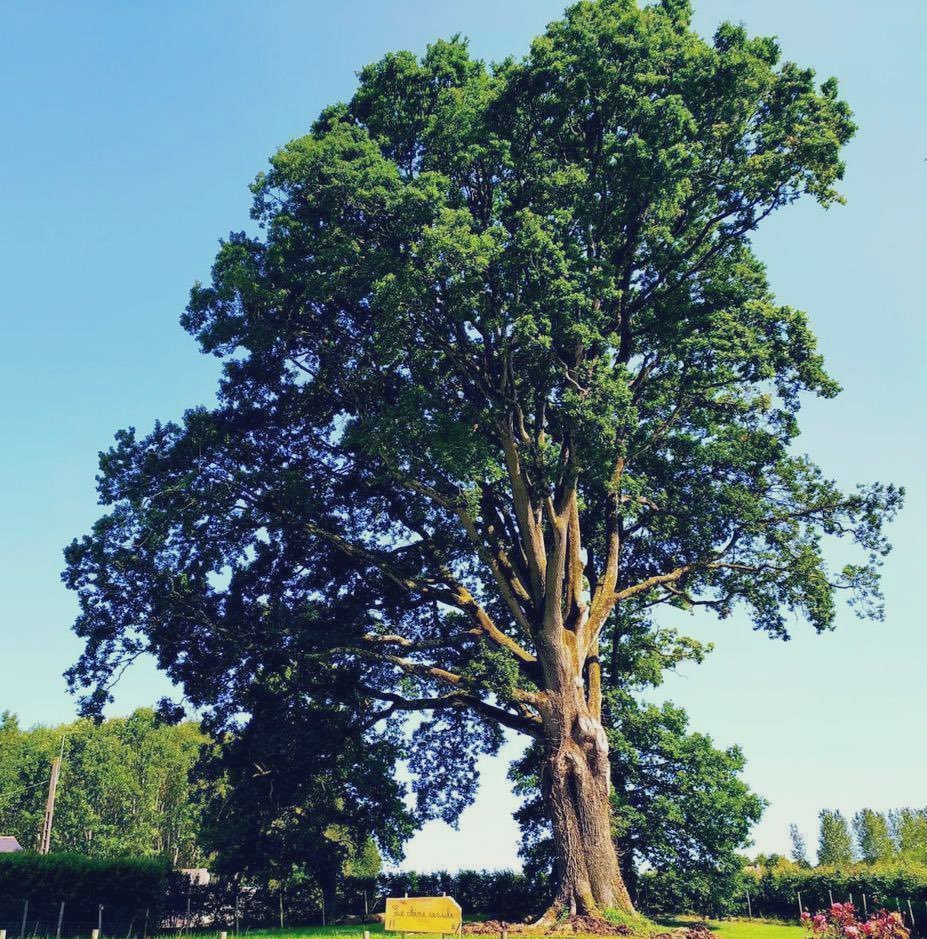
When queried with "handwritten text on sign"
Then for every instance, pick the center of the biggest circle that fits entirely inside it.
(423, 914)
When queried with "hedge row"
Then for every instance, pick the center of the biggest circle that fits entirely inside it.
(140, 894)
(72, 877)
(506, 895)
(670, 892)
(497, 894)
(774, 892)
(143, 891)
(130, 892)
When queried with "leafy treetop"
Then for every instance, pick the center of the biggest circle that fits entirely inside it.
(500, 361)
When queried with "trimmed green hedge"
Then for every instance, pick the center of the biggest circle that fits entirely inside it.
(774, 891)
(503, 894)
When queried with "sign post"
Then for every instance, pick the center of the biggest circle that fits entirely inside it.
(423, 915)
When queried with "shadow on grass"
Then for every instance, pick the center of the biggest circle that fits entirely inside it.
(683, 922)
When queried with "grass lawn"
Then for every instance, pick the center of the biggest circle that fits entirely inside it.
(746, 928)
(724, 929)
(327, 932)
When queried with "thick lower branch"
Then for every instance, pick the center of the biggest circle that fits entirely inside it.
(522, 723)
(531, 536)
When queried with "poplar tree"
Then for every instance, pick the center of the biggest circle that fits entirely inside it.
(835, 846)
(873, 836)
(799, 852)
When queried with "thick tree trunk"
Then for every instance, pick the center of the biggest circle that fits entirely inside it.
(576, 782)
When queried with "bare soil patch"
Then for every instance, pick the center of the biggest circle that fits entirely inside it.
(577, 926)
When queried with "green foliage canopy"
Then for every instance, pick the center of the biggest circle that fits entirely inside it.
(835, 845)
(306, 798)
(909, 833)
(127, 787)
(799, 852)
(500, 361)
(873, 837)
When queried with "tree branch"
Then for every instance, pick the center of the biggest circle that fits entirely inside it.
(521, 722)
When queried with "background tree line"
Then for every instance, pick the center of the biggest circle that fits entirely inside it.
(273, 803)
(873, 859)
(125, 790)
(898, 836)
(295, 805)
(293, 800)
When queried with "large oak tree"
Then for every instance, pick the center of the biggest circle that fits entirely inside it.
(681, 812)
(500, 368)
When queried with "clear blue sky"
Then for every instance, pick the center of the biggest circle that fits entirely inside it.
(130, 132)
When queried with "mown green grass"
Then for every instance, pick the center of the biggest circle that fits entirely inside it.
(745, 928)
(724, 929)
(751, 929)
(325, 932)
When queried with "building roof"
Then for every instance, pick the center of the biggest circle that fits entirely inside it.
(8, 844)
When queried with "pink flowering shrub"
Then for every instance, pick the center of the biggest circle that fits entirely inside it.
(840, 922)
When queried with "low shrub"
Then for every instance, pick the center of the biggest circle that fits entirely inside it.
(841, 921)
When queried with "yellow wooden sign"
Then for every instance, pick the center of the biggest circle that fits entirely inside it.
(423, 914)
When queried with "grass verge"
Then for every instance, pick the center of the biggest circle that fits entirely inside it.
(724, 929)
(742, 928)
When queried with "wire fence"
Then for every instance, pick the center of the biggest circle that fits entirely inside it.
(912, 911)
(221, 905)
(230, 905)
(45, 917)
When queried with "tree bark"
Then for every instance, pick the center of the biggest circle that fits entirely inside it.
(575, 782)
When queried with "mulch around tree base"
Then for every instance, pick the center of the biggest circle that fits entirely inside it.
(699, 932)
(578, 926)
(693, 932)
(575, 925)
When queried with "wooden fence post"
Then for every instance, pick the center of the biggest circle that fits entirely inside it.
(749, 908)
(100, 920)
(60, 920)
(800, 908)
